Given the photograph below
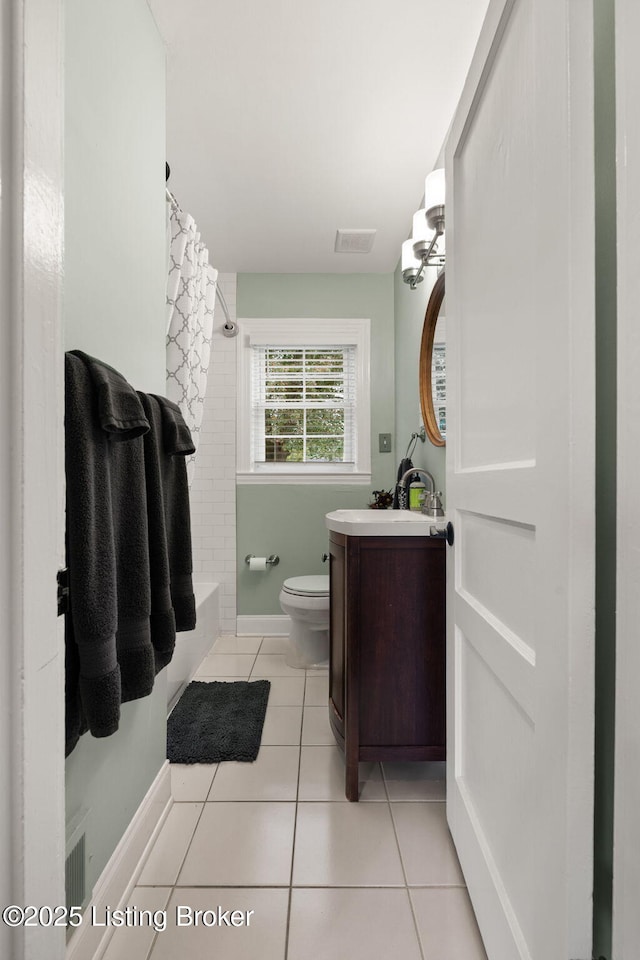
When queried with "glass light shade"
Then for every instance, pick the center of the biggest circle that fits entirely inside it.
(409, 260)
(434, 189)
(421, 229)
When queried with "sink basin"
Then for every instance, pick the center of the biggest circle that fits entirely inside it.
(383, 523)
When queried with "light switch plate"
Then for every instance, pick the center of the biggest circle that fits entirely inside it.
(384, 442)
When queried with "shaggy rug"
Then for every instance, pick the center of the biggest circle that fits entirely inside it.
(217, 721)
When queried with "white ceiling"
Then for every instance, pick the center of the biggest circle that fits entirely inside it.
(289, 119)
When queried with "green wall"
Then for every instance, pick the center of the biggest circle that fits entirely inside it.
(288, 519)
(410, 308)
(605, 184)
(115, 275)
(115, 234)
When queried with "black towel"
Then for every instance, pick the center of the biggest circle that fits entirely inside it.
(75, 720)
(118, 408)
(131, 531)
(400, 495)
(110, 658)
(178, 444)
(163, 621)
(93, 673)
(122, 417)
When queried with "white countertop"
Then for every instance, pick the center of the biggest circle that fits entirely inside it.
(383, 523)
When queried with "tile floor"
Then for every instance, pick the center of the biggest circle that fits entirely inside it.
(326, 879)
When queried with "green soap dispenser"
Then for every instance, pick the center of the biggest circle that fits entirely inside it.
(416, 495)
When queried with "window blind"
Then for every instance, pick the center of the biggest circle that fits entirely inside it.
(439, 386)
(303, 404)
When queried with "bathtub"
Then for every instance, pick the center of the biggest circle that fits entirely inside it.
(192, 646)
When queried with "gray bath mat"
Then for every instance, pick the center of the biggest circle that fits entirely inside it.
(217, 721)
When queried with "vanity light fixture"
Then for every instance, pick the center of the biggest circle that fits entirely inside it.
(422, 249)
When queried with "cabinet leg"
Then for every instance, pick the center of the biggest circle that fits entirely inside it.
(351, 780)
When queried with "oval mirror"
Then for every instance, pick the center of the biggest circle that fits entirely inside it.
(433, 355)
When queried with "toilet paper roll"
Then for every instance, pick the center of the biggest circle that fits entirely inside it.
(258, 563)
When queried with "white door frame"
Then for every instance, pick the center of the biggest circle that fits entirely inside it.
(31, 470)
(626, 866)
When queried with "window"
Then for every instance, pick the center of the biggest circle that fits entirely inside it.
(303, 404)
(303, 411)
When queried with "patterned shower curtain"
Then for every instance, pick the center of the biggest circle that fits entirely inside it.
(191, 287)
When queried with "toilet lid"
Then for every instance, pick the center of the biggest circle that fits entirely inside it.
(307, 586)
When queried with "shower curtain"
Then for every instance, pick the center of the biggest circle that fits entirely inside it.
(191, 287)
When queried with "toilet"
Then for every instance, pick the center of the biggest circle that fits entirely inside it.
(306, 601)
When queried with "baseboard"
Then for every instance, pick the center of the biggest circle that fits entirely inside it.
(264, 626)
(120, 875)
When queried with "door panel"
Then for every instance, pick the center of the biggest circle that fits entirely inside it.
(498, 565)
(498, 336)
(520, 463)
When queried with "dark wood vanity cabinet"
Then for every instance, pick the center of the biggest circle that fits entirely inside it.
(387, 654)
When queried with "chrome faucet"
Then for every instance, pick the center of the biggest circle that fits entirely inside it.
(423, 473)
(432, 505)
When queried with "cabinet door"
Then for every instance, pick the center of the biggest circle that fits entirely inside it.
(401, 623)
(337, 572)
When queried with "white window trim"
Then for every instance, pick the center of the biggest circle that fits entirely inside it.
(304, 331)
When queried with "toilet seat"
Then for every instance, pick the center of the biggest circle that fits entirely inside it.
(315, 586)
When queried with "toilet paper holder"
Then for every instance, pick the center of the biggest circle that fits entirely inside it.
(272, 561)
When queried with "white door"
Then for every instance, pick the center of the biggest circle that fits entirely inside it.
(626, 866)
(520, 479)
(32, 826)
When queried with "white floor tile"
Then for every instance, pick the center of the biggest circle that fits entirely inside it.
(135, 941)
(273, 665)
(165, 859)
(191, 781)
(282, 726)
(426, 846)
(227, 665)
(235, 850)
(359, 924)
(322, 776)
(319, 672)
(316, 693)
(273, 776)
(263, 939)
(241, 844)
(415, 781)
(346, 844)
(315, 727)
(275, 645)
(237, 645)
(446, 923)
(285, 691)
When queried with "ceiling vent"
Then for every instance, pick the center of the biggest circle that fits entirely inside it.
(354, 241)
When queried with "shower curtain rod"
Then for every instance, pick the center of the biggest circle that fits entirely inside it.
(229, 324)
(223, 303)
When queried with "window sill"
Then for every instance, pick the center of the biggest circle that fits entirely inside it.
(336, 479)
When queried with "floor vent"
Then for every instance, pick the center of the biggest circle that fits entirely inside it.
(75, 868)
(354, 241)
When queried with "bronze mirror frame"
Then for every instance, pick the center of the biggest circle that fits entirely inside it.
(426, 352)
